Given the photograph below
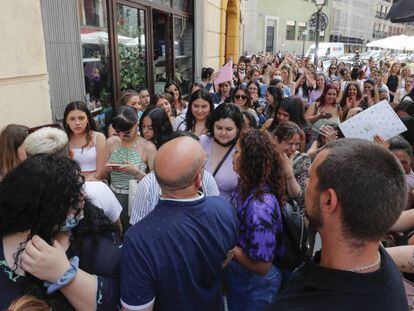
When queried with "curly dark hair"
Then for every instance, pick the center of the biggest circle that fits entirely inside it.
(160, 123)
(345, 95)
(260, 165)
(36, 197)
(190, 121)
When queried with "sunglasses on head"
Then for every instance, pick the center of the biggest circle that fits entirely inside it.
(240, 96)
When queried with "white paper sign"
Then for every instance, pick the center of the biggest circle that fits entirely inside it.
(379, 119)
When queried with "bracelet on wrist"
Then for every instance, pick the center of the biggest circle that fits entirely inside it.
(65, 279)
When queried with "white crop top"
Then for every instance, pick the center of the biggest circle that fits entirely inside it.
(86, 157)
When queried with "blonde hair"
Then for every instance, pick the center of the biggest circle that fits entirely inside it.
(405, 68)
(28, 303)
(47, 140)
(11, 138)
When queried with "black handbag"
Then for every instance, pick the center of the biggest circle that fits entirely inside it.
(295, 237)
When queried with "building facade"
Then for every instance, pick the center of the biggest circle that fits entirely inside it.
(91, 50)
(23, 73)
(352, 22)
(384, 28)
(273, 25)
(220, 32)
(357, 22)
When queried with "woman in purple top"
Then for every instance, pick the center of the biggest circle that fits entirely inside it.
(224, 127)
(252, 278)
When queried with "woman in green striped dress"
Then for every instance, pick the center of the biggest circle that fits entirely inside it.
(129, 156)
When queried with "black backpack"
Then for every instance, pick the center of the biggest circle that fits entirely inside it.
(295, 237)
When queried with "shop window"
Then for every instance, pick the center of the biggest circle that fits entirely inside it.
(130, 28)
(183, 5)
(165, 2)
(183, 52)
(95, 56)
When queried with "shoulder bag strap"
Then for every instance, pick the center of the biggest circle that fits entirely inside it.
(222, 160)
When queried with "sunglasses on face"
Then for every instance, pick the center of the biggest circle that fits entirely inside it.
(244, 97)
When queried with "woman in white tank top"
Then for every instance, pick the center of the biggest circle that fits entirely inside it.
(87, 144)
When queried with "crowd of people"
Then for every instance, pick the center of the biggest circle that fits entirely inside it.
(181, 204)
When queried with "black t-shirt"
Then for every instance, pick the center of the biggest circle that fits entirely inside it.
(313, 287)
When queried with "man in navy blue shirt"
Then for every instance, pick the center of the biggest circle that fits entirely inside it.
(172, 259)
(356, 192)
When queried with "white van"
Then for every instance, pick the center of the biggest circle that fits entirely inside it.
(330, 49)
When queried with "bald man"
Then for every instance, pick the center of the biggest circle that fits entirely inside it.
(172, 259)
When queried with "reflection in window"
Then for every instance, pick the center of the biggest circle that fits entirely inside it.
(183, 5)
(165, 2)
(183, 52)
(131, 47)
(95, 54)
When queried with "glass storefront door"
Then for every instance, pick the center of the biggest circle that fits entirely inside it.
(162, 57)
(183, 53)
(131, 46)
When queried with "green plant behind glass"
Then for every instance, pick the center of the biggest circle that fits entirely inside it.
(131, 58)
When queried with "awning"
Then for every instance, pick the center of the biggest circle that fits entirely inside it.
(401, 42)
(401, 11)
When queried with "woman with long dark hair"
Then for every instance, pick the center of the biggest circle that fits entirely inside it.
(274, 96)
(199, 110)
(291, 109)
(351, 97)
(252, 279)
(87, 144)
(11, 145)
(155, 126)
(54, 244)
(179, 105)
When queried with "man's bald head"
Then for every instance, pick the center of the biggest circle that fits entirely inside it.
(178, 162)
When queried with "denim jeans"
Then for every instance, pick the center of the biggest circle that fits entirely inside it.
(248, 290)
